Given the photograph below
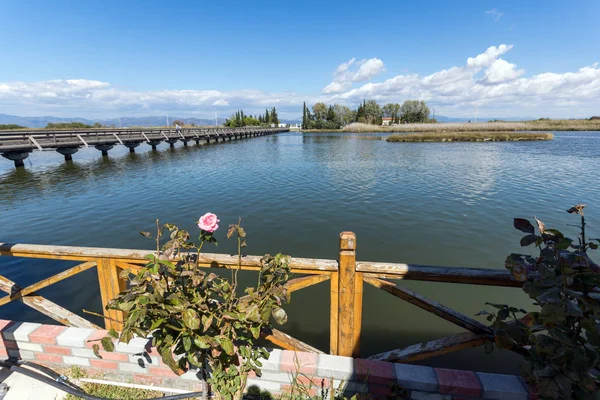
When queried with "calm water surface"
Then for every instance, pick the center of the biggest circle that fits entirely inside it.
(430, 203)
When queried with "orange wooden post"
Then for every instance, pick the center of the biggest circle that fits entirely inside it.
(110, 286)
(334, 313)
(350, 289)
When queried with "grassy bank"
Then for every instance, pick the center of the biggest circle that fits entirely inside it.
(469, 137)
(538, 125)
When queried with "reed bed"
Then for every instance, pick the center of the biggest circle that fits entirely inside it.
(538, 125)
(469, 137)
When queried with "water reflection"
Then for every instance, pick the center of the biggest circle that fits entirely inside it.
(426, 203)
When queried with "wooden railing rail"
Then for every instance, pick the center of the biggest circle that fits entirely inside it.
(346, 278)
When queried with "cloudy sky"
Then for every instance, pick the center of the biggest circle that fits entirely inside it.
(110, 58)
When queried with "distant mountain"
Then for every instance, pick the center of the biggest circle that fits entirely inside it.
(41, 122)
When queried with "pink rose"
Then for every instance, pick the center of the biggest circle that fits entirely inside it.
(208, 222)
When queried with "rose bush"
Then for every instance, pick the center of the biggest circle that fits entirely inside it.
(199, 315)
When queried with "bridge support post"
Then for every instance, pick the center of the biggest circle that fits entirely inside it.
(349, 299)
(17, 156)
(67, 152)
(104, 148)
(131, 146)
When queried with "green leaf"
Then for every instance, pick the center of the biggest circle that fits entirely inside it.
(113, 334)
(190, 319)
(226, 344)
(528, 239)
(107, 344)
(201, 342)
(523, 225)
(96, 349)
(187, 343)
(206, 322)
(255, 330)
(168, 359)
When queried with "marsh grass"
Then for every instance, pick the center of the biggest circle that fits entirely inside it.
(538, 125)
(469, 137)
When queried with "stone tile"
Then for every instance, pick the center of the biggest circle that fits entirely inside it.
(76, 361)
(128, 367)
(46, 334)
(336, 367)
(135, 346)
(271, 387)
(21, 354)
(370, 371)
(74, 337)
(83, 353)
(272, 363)
(416, 377)
(416, 395)
(504, 387)
(299, 362)
(456, 382)
(19, 331)
(29, 346)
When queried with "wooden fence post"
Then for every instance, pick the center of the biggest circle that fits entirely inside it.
(110, 286)
(350, 289)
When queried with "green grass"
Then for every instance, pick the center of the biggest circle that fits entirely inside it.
(469, 137)
(108, 391)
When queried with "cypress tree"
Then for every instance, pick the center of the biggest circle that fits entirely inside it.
(267, 117)
(274, 118)
(304, 116)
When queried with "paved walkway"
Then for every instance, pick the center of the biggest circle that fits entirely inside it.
(21, 387)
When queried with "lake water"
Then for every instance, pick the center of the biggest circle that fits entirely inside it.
(426, 203)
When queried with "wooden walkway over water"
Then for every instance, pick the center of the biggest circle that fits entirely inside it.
(16, 145)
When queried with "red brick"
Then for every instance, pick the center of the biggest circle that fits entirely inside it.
(148, 380)
(166, 372)
(46, 334)
(9, 344)
(3, 352)
(370, 371)
(5, 324)
(462, 383)
(380, 390)
(299, 362)
(103, 364)
(53, 358)
(113, 356)
(57, 350)
(95, 338)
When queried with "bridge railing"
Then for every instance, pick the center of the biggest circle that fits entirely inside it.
(346, 279)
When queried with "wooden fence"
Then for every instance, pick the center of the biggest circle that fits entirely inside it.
(346, 278)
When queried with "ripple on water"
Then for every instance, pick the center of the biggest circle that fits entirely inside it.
(426, 203)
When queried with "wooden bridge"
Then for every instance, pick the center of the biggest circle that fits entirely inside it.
(346, 278)
(16, 145)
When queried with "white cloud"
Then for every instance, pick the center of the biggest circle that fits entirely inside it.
(494, 14)
(487, 81)
(343, 77)
(502, 71)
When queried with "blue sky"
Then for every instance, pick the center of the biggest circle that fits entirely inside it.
(189, 58)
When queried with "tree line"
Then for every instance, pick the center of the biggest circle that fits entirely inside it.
(368, 112)
(239, 119)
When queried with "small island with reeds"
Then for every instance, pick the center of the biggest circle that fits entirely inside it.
(470, 137)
